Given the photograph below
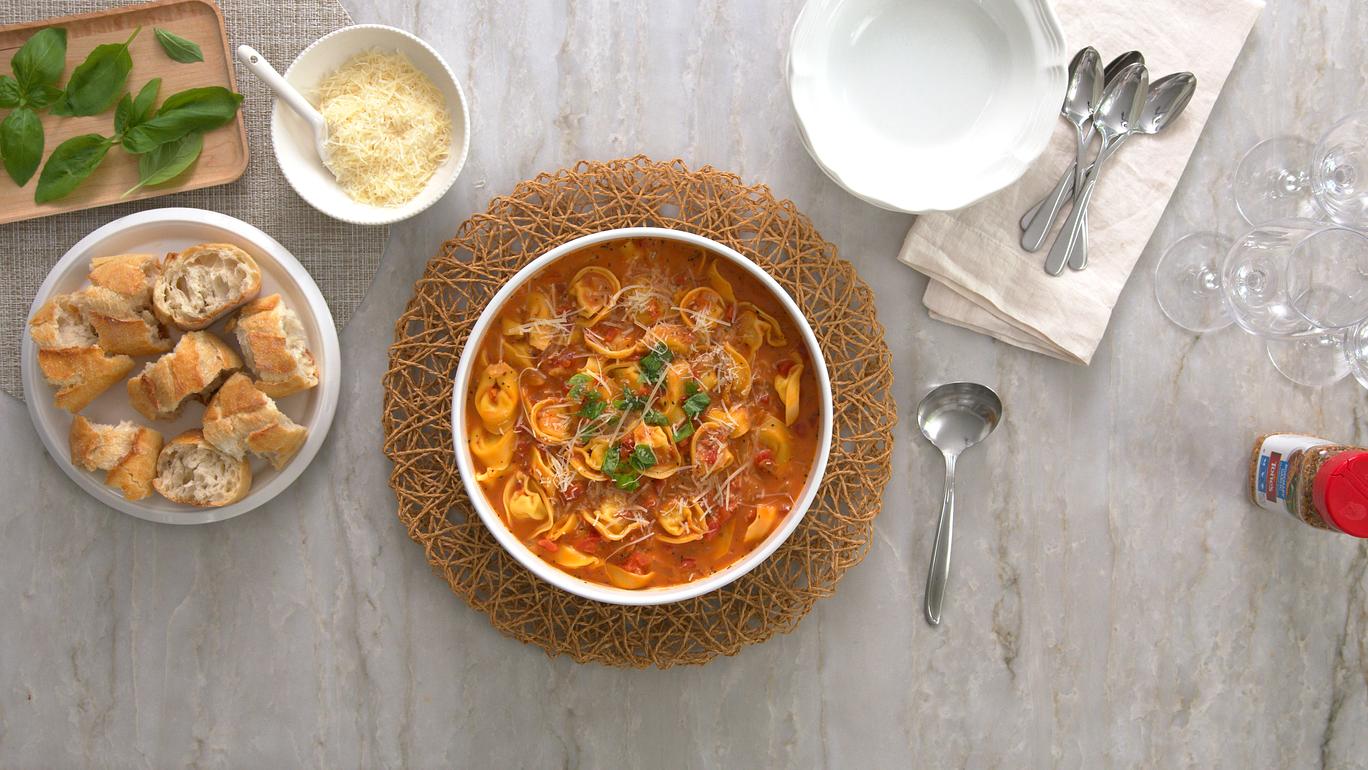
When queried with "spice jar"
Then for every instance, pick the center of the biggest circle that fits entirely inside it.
(1322, 483)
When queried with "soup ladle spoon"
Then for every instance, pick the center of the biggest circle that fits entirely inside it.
(953, 417)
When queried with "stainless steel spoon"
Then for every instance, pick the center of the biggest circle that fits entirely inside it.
(1116, 117)
(1064, 188)
(1086, 78)
(953, 417)
(1167, 98)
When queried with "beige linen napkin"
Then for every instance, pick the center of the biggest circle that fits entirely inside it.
(983, 280)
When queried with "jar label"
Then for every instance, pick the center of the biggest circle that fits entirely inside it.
(1275, 479)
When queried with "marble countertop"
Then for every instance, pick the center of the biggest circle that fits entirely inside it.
(1114, 600)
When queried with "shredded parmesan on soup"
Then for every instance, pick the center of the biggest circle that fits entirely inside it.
(388, 127)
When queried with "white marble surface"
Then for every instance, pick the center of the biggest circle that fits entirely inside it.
(1114, 601)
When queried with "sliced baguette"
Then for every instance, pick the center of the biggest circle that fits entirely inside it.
(242, 419)
(121, 326)
(274, 347)
(191, 471)
(118, 304)
(203, 283)
(196, 367)
(126, 451)
(69, 356)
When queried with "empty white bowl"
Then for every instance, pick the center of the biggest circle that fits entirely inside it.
(294, 142)
(926, 105)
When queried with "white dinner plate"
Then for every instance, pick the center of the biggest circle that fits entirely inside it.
(926, 105)
(158, 232)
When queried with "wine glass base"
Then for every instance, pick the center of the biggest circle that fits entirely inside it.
(1314, 362)
(1187, 282)
(1273, 181)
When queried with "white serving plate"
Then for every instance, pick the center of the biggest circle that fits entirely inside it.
(293, 140)
(926, 105)
(157, 232)
(597, 591)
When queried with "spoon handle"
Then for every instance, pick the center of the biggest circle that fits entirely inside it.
(1066, 246)
(1038, 221)
(257, 64)
(940, 557)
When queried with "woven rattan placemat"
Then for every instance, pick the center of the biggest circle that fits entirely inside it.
(342, 258)
(552, 209)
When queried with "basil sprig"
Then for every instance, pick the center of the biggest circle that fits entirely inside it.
(36, 67)
(198, 109)
(69, 165)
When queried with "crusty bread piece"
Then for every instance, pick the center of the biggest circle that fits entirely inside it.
(203, 283)
(242, 419)
(274, 347)
(81, 374)
(126, 451)
(69, 357)
(58, 325)
(191, 471)
(131, 275)
(120, 326)
(198, 364)
(118, 304)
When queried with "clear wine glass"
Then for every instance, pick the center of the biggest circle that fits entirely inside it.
(1273, 181)
(1289, 177)
(1339, 171)
(1187, 282)
(1297, 278)
(1316, 361)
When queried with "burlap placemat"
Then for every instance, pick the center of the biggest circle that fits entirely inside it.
(342, 258)
(552, 209)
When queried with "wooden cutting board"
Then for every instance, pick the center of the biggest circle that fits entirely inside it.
(225, 149)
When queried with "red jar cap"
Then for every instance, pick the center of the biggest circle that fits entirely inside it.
(1340, 492)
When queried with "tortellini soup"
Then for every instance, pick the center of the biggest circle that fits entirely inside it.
(642, 413)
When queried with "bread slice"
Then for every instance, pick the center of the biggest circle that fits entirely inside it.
(59, 325)
(242, 419)
(130, 275)
(203, 283)
(120, 326)
(118, 305)
(199, 363)
(274, 347)
(191, 471)
(69, 356)
(126, 451)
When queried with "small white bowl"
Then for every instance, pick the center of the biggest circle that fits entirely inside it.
(926, 105)
(159, 231)
(597, 591)
(294, 142)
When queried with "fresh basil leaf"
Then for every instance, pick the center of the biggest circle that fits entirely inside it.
(123, 114)
(177, 47)
(652, 417)
(695, 404)
(627, 482)
(593, 406)
(42, 95)
(577, 385)
(683, 431)
(198, 109)
(41, 60)
(691, 387)
(629, 402)
(610, 461)
(168, 161)
(643, 457)
(145, 101)
(95, 85)
(69, 165)
(653, 364)
(9, 92)
(21, 144)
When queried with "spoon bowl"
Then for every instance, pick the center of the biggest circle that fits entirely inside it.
(1167, 98)
(953, 417)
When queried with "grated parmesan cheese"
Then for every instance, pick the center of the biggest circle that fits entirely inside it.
(388, 127)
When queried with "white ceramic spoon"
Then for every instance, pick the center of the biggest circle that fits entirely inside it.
(292, 97)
